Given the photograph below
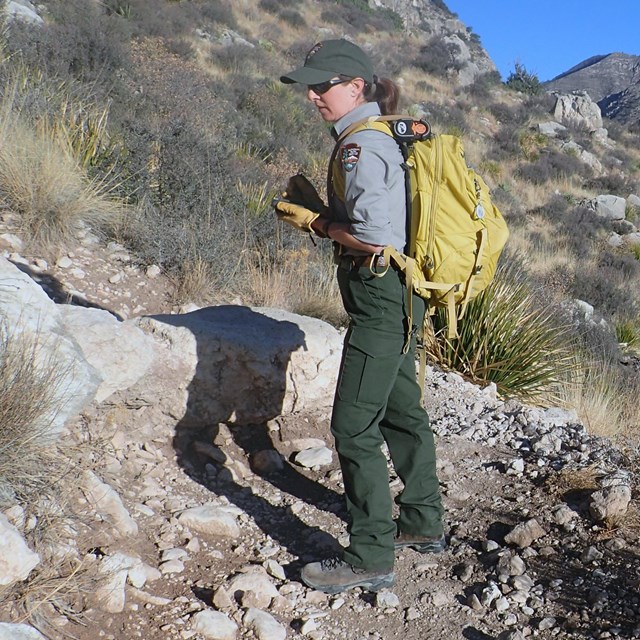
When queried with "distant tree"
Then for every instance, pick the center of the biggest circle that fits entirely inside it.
(524, 81)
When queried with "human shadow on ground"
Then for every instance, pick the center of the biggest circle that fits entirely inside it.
(233, 394)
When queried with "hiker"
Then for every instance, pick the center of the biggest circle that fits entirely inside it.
(377, 399)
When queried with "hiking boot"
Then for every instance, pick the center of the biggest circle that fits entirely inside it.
(334, 575)
(421, 544)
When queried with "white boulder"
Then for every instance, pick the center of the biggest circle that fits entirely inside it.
(22, 10)
(106, 502)
(16, 559)
(10, 631)
(608, 206)
(28, 312)
(119, 351)
(214, 625)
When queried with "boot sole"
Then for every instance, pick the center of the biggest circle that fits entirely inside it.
(383, 582)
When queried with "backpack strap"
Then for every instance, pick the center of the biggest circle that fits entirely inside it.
(477, 267)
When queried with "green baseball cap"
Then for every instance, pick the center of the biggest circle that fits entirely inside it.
(329, 59)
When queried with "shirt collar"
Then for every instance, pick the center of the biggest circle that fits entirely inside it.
(359, 113)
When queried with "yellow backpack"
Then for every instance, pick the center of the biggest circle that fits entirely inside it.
(456, 232)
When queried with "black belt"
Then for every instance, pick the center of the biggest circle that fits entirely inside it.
(350, 263)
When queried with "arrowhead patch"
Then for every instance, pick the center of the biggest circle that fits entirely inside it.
(350, 154)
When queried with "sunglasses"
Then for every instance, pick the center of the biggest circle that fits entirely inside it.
(322, 87)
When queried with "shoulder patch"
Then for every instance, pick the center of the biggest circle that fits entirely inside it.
(349, 155)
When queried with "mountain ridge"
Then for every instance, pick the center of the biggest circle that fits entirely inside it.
(611, 80)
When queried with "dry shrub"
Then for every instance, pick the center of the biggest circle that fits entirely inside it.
(41, 481)
(194, 282)
(574, 479)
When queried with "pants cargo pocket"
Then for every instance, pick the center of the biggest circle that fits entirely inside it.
(370, 363)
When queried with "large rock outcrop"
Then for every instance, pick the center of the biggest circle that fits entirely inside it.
(250, 365)
(431, 18)
(578, 110)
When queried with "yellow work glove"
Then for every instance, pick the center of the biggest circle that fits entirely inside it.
(300, 191)
(294, 214)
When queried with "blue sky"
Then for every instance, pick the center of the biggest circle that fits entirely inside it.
(551, 36)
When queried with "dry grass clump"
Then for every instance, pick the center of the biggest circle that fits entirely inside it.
(574, 479)
(605, 398)
(195, 282)
(299, 281)
(41, 181)
(35, 480)
(28, 387)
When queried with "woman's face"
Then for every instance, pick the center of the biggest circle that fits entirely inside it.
(338, 99)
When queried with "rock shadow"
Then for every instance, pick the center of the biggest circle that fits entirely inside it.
(226, 421)
(56, 291)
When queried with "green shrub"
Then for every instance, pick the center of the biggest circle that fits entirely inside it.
(631, 213)
(80, 43)
(358, 14)
(539, 105)
(507, 336)
(482, 86)
(614, 183)
(440, 4)
(524, 81)
(506, 142)
(607, 285)
(277, 118)
(448, 119)
(635, 250)
(293, 18)
(509, 115)
(274, 6)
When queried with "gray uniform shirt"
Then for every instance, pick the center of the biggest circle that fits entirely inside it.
(374, 202)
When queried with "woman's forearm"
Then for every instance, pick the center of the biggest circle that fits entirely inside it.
(340, 232)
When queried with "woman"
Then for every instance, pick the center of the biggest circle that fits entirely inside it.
(377, 398)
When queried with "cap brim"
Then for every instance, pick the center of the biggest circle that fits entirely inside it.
(307, 75)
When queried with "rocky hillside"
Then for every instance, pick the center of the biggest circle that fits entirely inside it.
(201, 476)
(431, 18)
(612, 80)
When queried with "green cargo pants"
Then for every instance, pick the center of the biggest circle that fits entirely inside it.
(378, 400)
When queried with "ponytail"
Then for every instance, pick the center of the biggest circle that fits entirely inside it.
(385, 92)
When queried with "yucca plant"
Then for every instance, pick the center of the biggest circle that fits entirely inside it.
(627, 332)
(82, 130)
(508, 337)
